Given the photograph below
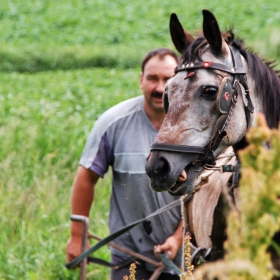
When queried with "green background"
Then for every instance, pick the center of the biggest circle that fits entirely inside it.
(62, 63)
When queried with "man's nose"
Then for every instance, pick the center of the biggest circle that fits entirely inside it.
(160, 86)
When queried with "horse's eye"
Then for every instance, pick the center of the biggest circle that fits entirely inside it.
(210, 92)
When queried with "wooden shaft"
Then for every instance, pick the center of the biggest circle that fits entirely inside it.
(127, 251)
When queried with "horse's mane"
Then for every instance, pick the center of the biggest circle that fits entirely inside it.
(266, 78)
(267, 83)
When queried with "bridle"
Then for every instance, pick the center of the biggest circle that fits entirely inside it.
(226, 100)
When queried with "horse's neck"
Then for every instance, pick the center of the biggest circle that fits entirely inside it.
(256, 102)
(199, 213)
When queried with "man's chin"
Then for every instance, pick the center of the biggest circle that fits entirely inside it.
(155, 105)
(157, 102)
(158, 106)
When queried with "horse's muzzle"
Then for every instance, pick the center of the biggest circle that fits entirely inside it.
(165, 170)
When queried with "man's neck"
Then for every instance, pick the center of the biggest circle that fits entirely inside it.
(157, 123)
(155, 117)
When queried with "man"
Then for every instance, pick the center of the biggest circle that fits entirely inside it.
(121, 138)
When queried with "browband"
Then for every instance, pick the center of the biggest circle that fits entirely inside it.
(211, 65)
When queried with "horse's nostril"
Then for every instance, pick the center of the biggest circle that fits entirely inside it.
(162, 167)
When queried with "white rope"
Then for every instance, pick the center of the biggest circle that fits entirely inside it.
(219, 167)
(225, 155)
(206, 174)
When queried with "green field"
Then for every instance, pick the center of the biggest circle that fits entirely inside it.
(39, 35)
(62, 64)
(45, 118)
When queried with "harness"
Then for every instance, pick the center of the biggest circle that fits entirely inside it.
(231, 87)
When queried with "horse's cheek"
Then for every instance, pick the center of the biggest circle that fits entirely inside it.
(204, 122)
(237, 124)
(167, 132)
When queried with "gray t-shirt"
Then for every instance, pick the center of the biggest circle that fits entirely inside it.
(121, 138)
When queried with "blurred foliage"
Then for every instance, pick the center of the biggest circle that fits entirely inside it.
(251, 230)
(37, 35)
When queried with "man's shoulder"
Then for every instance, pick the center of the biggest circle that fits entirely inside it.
(127, 105)
(123, 109)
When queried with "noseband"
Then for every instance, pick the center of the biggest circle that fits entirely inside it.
(226, 100)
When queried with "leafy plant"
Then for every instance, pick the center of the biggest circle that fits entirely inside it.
(252, 226)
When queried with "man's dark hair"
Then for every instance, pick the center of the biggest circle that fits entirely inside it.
(161, 52)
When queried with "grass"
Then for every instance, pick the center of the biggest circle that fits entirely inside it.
(38, 35)
(45, 118)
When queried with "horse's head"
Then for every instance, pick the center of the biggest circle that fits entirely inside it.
(208, 107)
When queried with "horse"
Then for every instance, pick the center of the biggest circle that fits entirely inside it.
(211, 101)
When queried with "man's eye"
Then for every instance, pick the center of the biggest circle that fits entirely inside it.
(152, 78)
(209, 92)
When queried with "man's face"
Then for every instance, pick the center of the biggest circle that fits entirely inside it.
(153, 80)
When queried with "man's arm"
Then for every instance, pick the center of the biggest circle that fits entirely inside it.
(81, 201)
(172, 243)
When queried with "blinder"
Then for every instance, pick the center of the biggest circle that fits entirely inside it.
(165, 100)
(224, 96)
(226, 100)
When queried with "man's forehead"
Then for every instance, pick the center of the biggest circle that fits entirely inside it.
(161, 59)
(158, 64)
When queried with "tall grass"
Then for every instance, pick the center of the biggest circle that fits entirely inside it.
(45, 119)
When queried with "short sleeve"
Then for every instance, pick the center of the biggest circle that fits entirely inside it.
(97, 155)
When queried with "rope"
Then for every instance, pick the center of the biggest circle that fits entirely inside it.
(203, 178)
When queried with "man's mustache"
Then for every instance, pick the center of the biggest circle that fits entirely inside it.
(157, 94)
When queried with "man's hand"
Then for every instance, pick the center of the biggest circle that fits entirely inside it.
(74, 249)
(170, 247)
(172, 244)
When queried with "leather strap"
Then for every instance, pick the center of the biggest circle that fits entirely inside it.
(210, 66)
(231, 168)
(177, 148)
(170, 264)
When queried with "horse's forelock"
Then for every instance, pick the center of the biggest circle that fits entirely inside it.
(192, 52)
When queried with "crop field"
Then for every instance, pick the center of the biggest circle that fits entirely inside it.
(62, 64)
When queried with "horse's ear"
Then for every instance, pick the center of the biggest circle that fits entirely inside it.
(212, 32)
(180, 37)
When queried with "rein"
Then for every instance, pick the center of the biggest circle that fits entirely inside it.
(116, 234)
(226, 101)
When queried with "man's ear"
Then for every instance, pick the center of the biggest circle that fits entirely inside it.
(141, 80)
